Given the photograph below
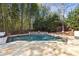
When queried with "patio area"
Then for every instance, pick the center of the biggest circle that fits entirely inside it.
(58, 29)
(34, 48)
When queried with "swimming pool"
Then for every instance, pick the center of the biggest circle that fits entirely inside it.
(33, 37)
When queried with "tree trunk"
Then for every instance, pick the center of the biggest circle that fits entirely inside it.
(21, 16)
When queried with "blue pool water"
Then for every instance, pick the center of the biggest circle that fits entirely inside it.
(33, 37)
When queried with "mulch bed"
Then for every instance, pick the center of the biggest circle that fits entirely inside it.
(69, 33)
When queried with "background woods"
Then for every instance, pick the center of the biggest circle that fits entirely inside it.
(21, 18)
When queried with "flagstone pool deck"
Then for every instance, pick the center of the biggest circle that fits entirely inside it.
(41, 48)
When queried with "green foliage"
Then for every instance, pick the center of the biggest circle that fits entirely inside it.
(40, 24)
(15, 17)
(21, 17)
(51, 23)
(73, 19)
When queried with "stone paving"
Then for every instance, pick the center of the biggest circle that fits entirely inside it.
(35, 48)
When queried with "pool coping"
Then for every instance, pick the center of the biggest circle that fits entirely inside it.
(52, 34)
